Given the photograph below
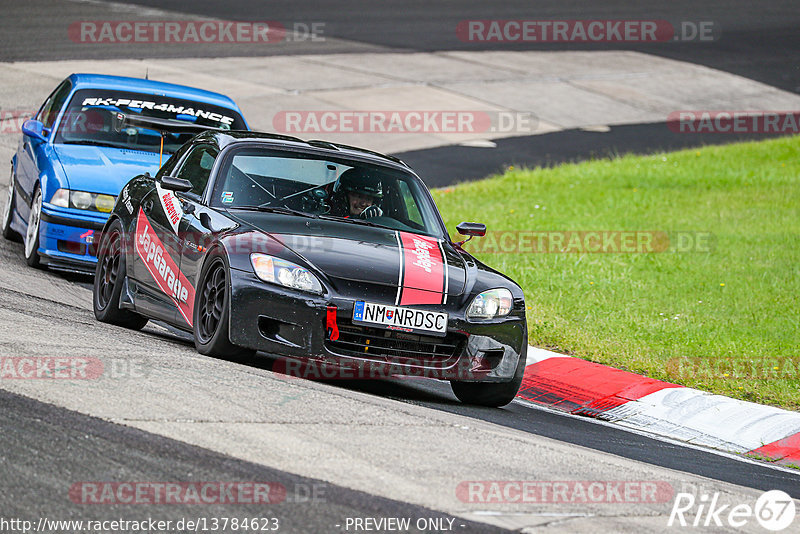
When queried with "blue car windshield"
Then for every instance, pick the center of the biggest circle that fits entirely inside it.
(88, 119)
(325, 187)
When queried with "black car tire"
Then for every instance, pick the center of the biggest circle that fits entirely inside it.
(108, 281)
(212, 310)
(8, 212)
(32, 234)
(492, 394)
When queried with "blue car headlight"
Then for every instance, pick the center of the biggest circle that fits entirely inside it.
(277, 271)
(83, 200)
(490, 304)
(60, 198)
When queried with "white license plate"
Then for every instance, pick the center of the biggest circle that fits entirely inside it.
(400, 318)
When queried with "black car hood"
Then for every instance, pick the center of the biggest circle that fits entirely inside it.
(369, 255)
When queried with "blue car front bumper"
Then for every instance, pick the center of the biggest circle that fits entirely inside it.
(68, 238)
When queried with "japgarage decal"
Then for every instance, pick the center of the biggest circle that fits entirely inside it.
(163, 268)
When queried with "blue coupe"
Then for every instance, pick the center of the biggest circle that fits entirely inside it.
(72, 162)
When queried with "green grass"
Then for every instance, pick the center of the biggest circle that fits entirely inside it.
(686, 317)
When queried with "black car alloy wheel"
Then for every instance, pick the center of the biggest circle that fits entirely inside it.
(212, 303)
(108, 281)
(211, 312)
(108, 271)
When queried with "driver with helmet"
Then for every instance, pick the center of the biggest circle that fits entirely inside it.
(358, 194)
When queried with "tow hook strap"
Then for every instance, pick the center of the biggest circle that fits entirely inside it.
(332, 328)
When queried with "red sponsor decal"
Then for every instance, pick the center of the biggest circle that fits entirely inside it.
(423, 270)
(169, 206)
(163, 268)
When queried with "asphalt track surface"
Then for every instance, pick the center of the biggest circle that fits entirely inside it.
(43, 446)
(755, 40)
(590, 434)
(451, 164)
(431, 394)
(759, 41)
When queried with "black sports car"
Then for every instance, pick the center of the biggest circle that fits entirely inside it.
(315, 252)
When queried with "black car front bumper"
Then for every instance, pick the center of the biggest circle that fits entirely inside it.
(297, 325)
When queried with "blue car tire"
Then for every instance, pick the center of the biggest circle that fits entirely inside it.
(8, 212)
(32, 235)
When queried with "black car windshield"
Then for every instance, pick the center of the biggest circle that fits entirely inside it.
(88, 119)
(360, 193)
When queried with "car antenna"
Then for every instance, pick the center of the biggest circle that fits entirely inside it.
(162, 126)
(147, 73)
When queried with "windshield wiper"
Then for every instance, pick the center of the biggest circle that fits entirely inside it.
(93, 143)
(354, 220)
(276, 209)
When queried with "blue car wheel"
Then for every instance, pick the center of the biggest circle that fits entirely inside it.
(32, 235)
(8, 211)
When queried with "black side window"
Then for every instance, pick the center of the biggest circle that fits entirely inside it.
(53, 104)
(197, 167)
(169, 166)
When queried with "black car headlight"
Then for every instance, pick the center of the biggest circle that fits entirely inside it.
(277, 271)
(490, 304)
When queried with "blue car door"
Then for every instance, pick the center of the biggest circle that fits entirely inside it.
(31, 157)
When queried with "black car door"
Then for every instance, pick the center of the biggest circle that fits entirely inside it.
(161, 291)
(196, 227)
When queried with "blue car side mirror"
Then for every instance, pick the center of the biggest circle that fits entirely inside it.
(35, 129)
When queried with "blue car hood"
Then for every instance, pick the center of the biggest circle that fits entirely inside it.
(103, 169)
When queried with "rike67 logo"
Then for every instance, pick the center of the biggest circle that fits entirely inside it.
(774, 510)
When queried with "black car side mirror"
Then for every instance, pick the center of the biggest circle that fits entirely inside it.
(472, 229)
(179, 185)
